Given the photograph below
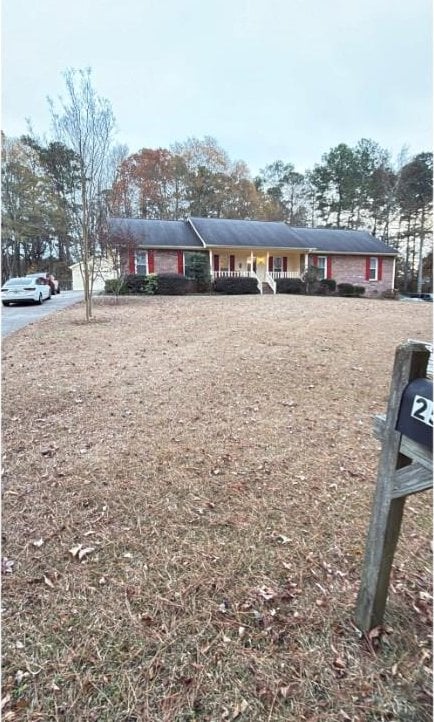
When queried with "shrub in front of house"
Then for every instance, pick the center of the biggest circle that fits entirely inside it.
(115, 286)
(290, 285)
(326, 287)
(173, 284)
(347, 289)
(151, 284)
(236, 285)
(359, 290)
(135, 283)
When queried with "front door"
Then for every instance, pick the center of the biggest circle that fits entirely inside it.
(249, 264)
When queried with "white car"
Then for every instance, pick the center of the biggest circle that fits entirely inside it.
(32, 290)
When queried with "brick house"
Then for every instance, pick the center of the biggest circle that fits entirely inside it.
(264, 250)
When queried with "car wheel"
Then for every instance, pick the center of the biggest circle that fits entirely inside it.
(5, 303)
(49, 296)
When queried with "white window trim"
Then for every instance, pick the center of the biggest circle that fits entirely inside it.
(376, 268)
(325, 266)
(141, 253)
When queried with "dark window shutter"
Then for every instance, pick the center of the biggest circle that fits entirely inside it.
(368, 265)
(151, 262)
(380, 269)
(131, 261)
(285, 264)
(216, 262)
(270, 264)
(314, 260)
(232, 263)
(180, 262)
(329, 267)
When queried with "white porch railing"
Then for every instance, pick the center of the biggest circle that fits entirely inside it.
(285, 274)
(232, 274)
(252, 274)
(271, 282)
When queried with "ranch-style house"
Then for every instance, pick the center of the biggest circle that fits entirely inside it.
(264, 250)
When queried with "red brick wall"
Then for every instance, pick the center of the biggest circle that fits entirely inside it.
(166, 262)
(352, 269)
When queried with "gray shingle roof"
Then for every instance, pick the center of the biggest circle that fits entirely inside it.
(154, 234)
(336, 241)
(266, 234)
(219, 232)
(246, 234)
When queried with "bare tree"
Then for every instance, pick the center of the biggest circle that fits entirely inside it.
(85, 123)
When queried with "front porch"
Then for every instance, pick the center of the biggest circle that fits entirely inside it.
(260, 264)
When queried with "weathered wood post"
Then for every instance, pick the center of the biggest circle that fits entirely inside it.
(405, 467)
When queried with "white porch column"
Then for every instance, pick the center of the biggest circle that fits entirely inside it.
(393, 272)
(210, 264)
(251, 261)
(306, 261)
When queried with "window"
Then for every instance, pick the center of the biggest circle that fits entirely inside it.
(142, 263)
(322, 267)
(277, 264)
(224, 262)
(373, 268)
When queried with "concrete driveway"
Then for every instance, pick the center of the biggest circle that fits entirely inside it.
(16, 317)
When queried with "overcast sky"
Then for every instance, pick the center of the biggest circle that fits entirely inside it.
(269, 79)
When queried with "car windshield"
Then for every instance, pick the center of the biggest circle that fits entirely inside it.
(19, 282)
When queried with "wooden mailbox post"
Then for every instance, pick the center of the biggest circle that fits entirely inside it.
(405, 467)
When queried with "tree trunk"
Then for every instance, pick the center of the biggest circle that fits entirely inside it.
(421, 240)
(85, 230)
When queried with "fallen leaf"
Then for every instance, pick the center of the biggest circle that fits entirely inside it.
(74, 550)
(266, 593)
(48, 582)
(20, 675)
(48, 450)
(339, 663)
(5, 700)
(84, 552)
(375, 632)
(284, 691)
(283, 539)
(7, 566)
(239, 709)
(38, 543)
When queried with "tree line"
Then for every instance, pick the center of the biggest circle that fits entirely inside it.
(57, 193)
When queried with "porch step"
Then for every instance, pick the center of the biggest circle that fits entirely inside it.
(266, 288)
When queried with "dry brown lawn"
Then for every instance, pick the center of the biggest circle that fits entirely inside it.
(215, 459)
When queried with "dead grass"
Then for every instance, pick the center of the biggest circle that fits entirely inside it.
(217, 456)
